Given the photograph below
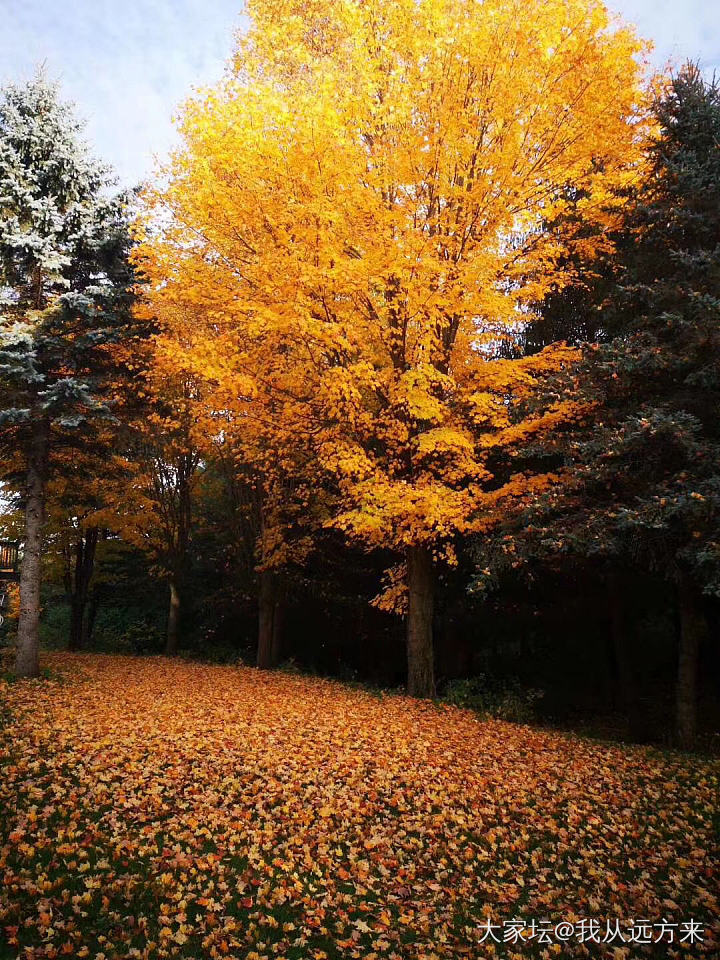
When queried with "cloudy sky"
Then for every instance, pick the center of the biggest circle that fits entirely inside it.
(127, 64)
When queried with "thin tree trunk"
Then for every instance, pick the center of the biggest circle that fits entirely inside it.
(692, 628)
(84, 564)
(277, 637)
(173, 625)
(267, 610)
(27, 663)
(421, 582)
(619, 643)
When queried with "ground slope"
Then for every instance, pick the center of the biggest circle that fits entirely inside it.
(151, 808)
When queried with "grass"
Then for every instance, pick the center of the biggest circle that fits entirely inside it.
(156, 808)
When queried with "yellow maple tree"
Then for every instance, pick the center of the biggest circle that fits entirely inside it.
(360, 213)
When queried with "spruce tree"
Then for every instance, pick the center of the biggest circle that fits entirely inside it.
(643, 472)
(660, 382)
(65, 296)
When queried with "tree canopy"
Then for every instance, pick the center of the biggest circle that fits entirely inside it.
(360, 215)
(65, 287)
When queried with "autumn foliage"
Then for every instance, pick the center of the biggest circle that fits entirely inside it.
(358, 220)
(420, 319)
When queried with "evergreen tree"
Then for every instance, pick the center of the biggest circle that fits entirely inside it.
(644, 472)
(66, 290)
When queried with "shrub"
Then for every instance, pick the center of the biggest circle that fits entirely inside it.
(504, 699)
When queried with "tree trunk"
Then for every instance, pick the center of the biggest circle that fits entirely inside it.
(89, 622)
(277, 638)
(27, 663)
(421, 672)
(84, 564)
(173, 624)
(268, 621)
(619, 643)
(692, 628)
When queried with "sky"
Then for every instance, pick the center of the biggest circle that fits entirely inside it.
(128, 64)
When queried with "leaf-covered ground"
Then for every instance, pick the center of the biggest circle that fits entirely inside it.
(150, 808)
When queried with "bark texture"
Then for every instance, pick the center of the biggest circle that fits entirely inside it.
(173, 624)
